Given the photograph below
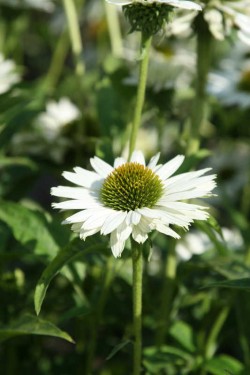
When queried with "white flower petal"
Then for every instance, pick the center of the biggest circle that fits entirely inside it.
(138, 235)
(169, 168)
(135, 217)
(117, 245)
(83, 215)
(76, 204)
(124, 231)
(73, 192)
(101, 167)
(119, 2)
(86, 233)
(84, 178)
(119, 161)
(153, 161)
(96, 222)
(113, 221)
(183, 4)
(137, 157)
(166, 230)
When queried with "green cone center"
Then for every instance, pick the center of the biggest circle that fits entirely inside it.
(131, 186)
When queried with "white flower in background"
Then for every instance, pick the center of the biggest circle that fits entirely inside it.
(56, 117)
(196, 243)
(183, 4)
(221, 19)
(132, 199)
(230, 84)
(46, 5)
(8, 74)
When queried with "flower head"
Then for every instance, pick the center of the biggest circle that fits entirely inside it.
(57, 115)
(132, 198)
(8, 74)
(150, 16)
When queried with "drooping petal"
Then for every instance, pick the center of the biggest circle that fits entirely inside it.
(117, 245)
(113, 221)
(166, 230)
(138, 235)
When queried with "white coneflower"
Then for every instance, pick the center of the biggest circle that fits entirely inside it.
(8, 74)
(132, 199)
(57, 115)
(183, 4)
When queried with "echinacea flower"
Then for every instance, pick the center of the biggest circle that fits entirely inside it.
(183, 4)
(57, 115)
(8, 74)
(132, 198)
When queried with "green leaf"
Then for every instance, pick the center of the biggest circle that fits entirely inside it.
(183, 333)
(20, 161)
(33, 229)
(236, 283)
(31, 325)
(224, 364)
(117, 348)
(72, 251)
(156, 359)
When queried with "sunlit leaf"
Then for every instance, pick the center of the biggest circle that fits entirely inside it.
(31, 325)
(183, 333)
(224, 364)
(71, 252)
(32, 228)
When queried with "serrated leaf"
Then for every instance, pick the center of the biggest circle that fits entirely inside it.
(183, 334)
(117, 348)
(236, 283)
(224, 364)
(32, 228)
(72, 251)
(32, 325)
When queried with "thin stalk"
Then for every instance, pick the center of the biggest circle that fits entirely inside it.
(114, 29)
(145, 48)
(203, 59)
(57, 61)
(97, 315)
(243, 335)
(75, 35)
(167, 295)
(137, 305)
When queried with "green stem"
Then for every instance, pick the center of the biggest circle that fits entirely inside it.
(57, 61)
(97, 315)
(216, 328)
(241, 312)
(137, 305)
(167, 294)
(114, 29)
(145, 48)
(199, 110)
(75, 35)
